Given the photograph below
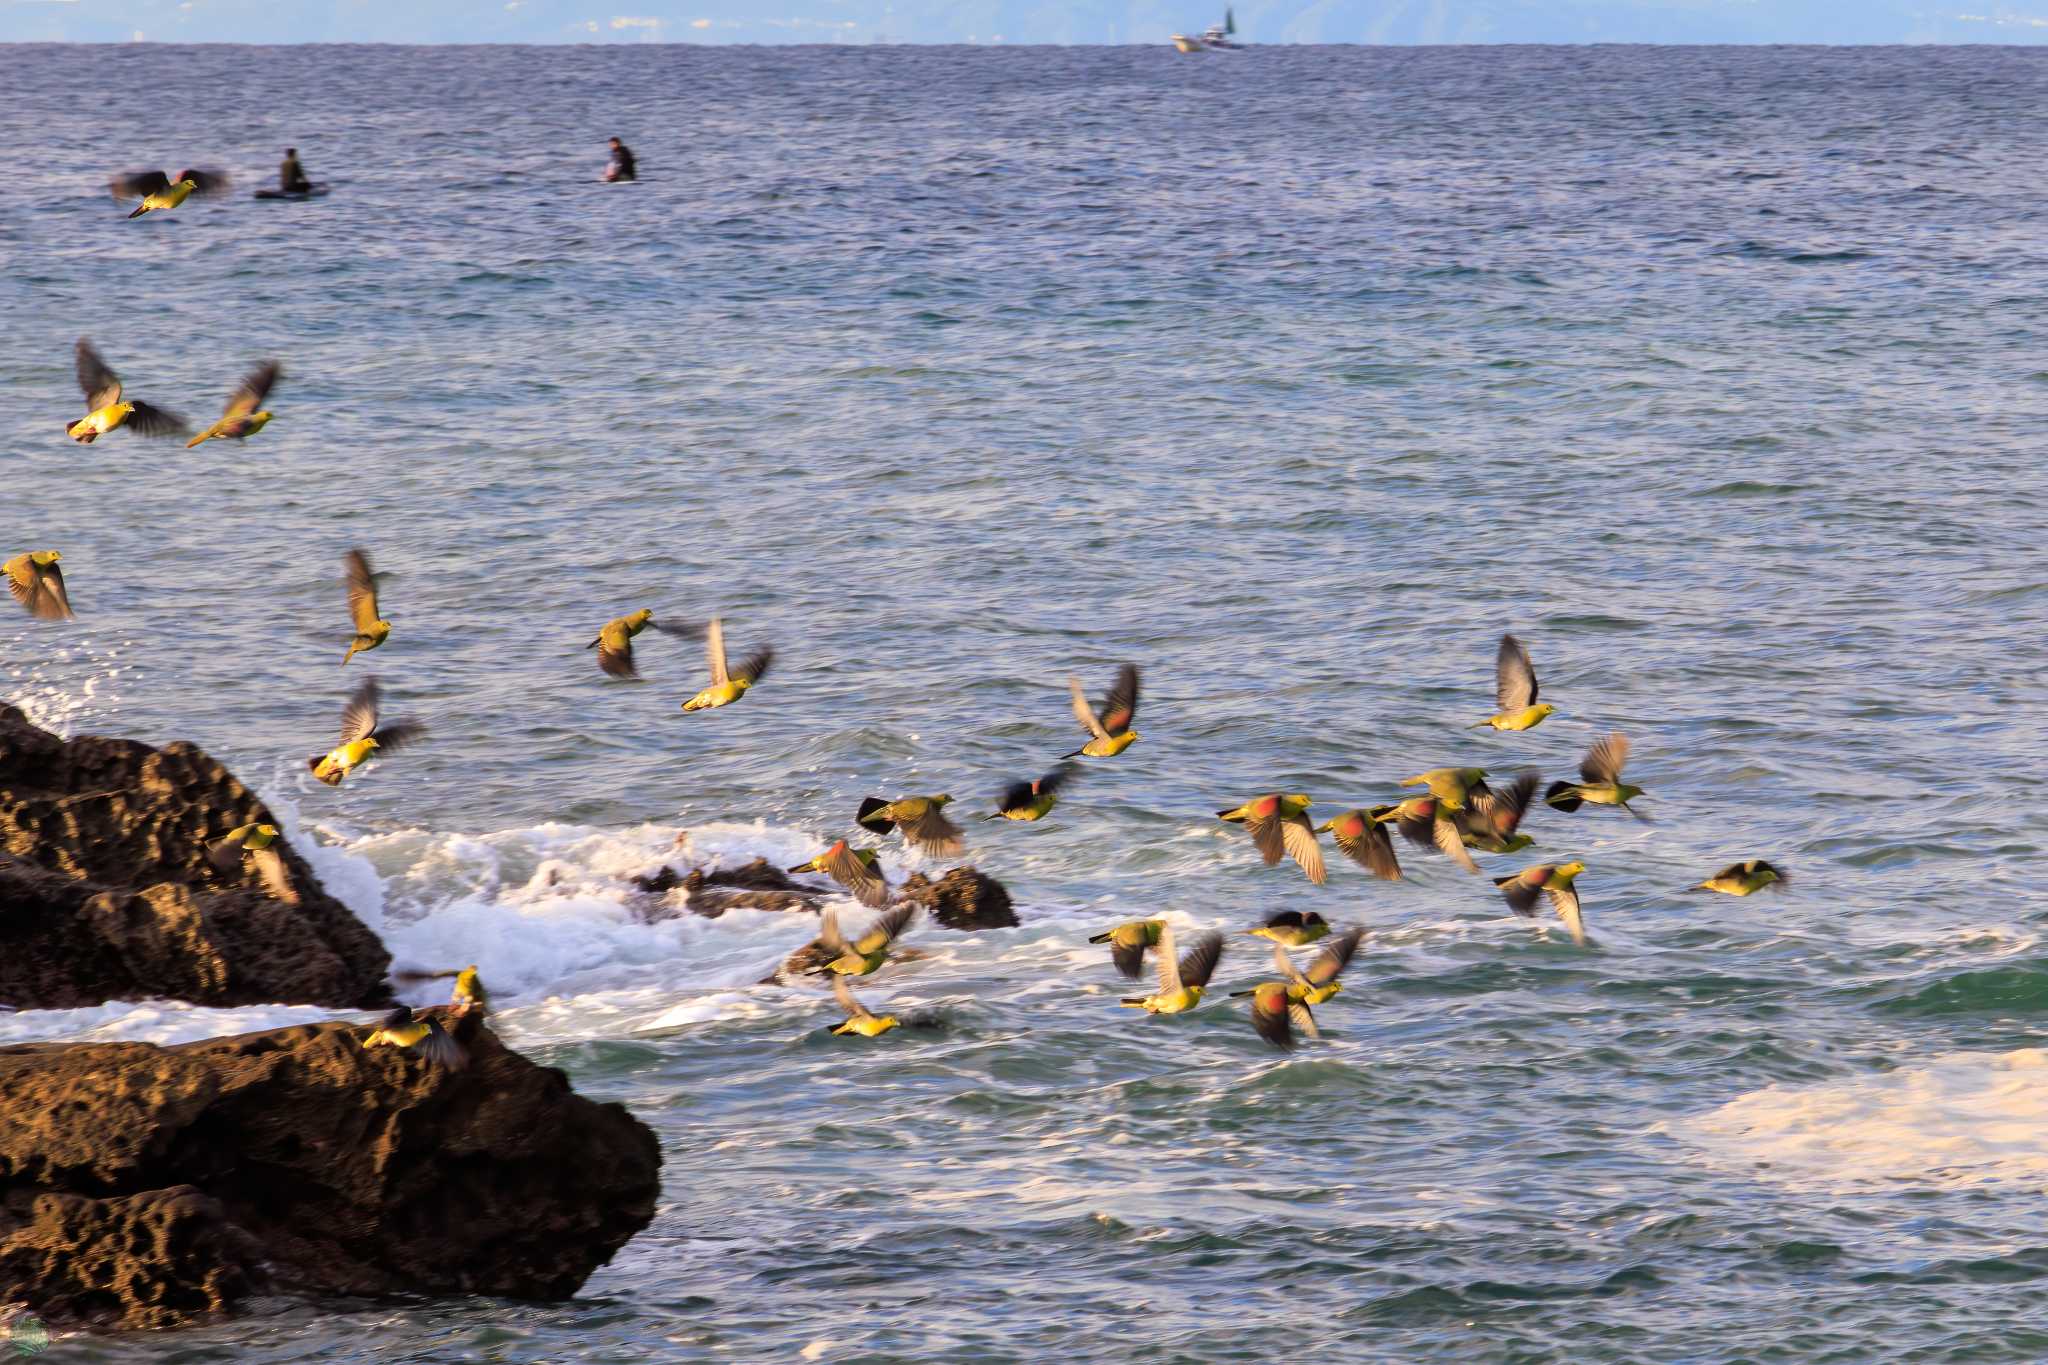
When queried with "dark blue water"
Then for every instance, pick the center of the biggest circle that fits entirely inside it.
(1295, 375)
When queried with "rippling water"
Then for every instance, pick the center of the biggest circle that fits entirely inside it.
(1295, 375)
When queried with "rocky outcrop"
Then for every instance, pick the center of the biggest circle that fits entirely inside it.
(106, 892)
(962, 899)
(149, 1187)
(758, 885)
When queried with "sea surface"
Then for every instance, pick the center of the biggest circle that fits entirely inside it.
(1295, 376)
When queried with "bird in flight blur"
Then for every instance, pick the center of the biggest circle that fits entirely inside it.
(1128, 942)
(1110, 728)
(1181, 980)
(1032, 800)
(255, 845)
(105, 410)
(921, 818)
(1599, 781)
(361, 737)
(858, 1018)
(1278, 823)
(1547, 879)
(371, 629)
(1277, 1014)
(857, 869)
(1320, 982)
(1741, 879)
(867, 953)
(1450, 786)
(1292, 928)
(728, 685)
(244, 415)
(424, 1037)
(38, 584)
(1361, 836)
(614, 644)
(1492, 821)
(160, 193)
(1514, 690)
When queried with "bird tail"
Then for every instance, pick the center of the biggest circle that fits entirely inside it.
(1480, 726)
(868, 820)
(1136, 1002)
(197, 439)
(800, 867)
(1102, 938)
(1076, 754)
(331, 778)
(1564, 796)
(997, 816)
(140, 209)
(1239, 995)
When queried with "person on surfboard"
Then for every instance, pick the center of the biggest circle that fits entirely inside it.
(291, 176)
(621, 166)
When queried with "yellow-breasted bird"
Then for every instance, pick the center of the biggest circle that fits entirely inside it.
(244, 415)
(1514, 690)
(1128, 942)
(362, 737)
(1449, 786)
(1292, 928)
(1278, 823)
(1599, 779)
(469, 995)
(1033, 800)
(866, 953)
(253, 843)
(1110, 728)
(858, 1018)
(1320, 982)
(1362, 837)
(1181, 980)
(425, 1037)
(105, 410)
(728, 685)
(371, 629)
(160, 193)
(38, 584)
(1491, 823)
(921, 818)
(1277, 1014)
(859, 870)
(1547, 879)
(1740, 879)
(1426, 822)
(614, 644)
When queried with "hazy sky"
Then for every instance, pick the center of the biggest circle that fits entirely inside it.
(1026, 21)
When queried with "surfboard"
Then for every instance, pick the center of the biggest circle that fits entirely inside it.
(316, 192)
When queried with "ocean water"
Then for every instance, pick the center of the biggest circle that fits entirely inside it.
(1295, 376)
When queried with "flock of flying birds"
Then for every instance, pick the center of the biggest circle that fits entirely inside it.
(1458, 813)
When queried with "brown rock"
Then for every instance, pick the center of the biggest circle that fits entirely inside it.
(144, 1186)
(758, 885)
(962, 899)
(106, 893)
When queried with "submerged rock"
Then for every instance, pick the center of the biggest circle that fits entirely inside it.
(758, 885)
(964, 898)
(106, 892)
(144, 1186)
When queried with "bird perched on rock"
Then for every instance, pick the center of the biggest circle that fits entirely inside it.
(371, 629)
(105, 409)
(1362, 837)
(921, 818)
(1599, 779)
(728, 685)
(866, 953)
(859, 870)
(614, 644)
(160, 193)
(38, 584)
(1450, 786)
(1741, 879)
(469, 996)
(361, 736)
(858, 1018)
(1032, 800)
(1292, 928)
(1514, 690)
(1320, 982)
(1128, 942)
(253, 844)
(1278, 823)
(1491, 823)
(1547, 879)
(1181, 980)
(244, 415)
(1111, 727)
(1277, 1014)
(425, 1037)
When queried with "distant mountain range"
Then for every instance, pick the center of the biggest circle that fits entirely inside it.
(1024, 21)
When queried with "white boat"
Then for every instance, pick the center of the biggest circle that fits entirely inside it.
(1215, 38)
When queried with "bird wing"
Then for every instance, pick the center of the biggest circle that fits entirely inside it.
(714, 652)
(394, 737)
(270, 867)
(1417, 830)
(1083, 712)
(1444, 831)
(1166, 963)
(1299, 836)
(1334, 958)
(934, 833)
(205, 182)
(362, 591)
(1287, 967)
(829, 937)
(1604, 761)
(1016, 796)
(1514, 677)
(884, 930)
(438, 1048)
(1198, 964)
(1271, 1024)
(1501, 811)
(1371, 849)
(359, 717)
(139, 184)
(1269, 837)
(255, 387)
(51, 602)
(844, 995)
(617, 661)
(1520, 891)
(147, 419)
(1565, 901)
(1129, 959)
(1304, 1022)
(101, 385)
(1050, 783)
(866, 884)
(755, 665)
(226, 854)
(1120, 708)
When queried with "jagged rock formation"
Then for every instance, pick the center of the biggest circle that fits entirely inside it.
(964, 898)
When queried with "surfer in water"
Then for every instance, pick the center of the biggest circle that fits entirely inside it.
(291, 176)
(621, 166)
